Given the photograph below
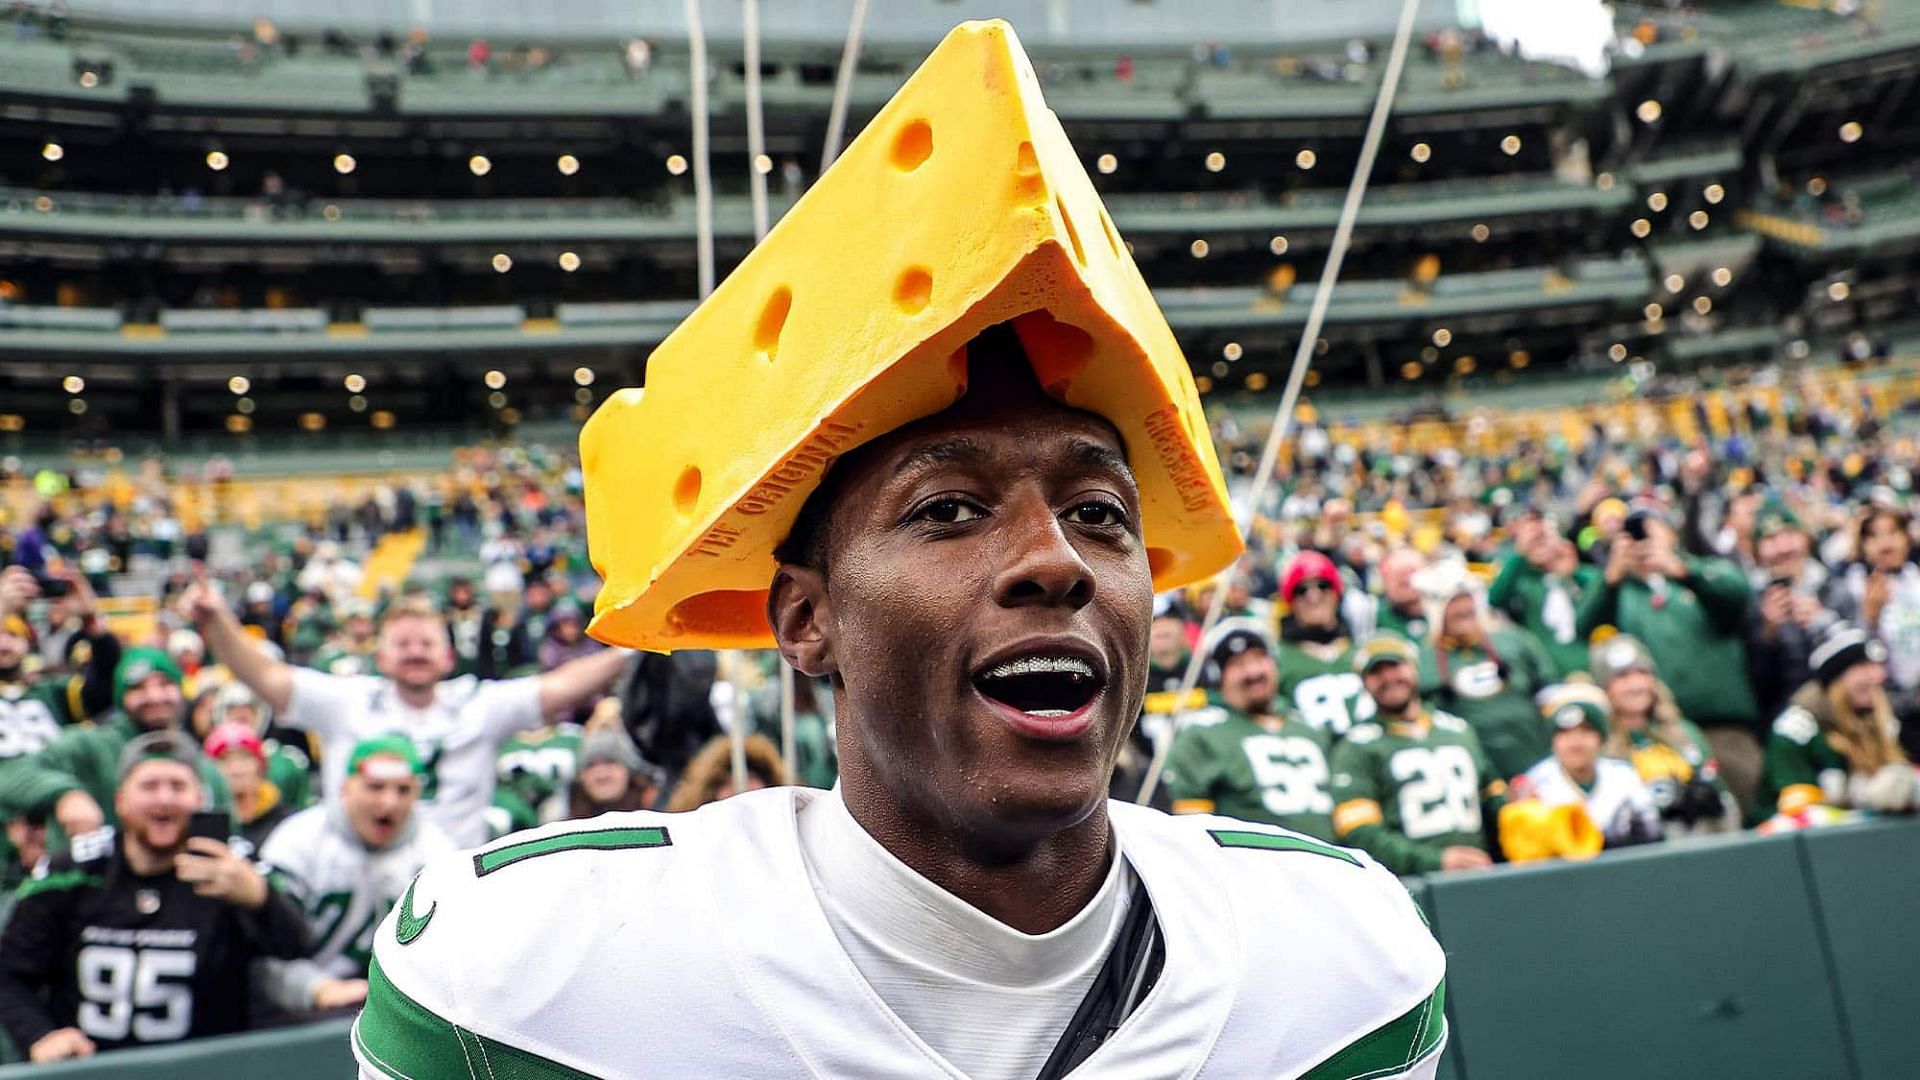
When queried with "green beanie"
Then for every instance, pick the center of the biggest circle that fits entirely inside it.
(136, 664)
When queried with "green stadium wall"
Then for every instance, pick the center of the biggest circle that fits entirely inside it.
(1745, 956)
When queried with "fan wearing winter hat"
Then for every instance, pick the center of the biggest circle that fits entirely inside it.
(1483, 671)
(611, 775)
(1576, 773)
(1315, 657)
(1670, 754)
(1837, 742)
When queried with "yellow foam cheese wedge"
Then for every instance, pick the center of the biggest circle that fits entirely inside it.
(960, 206)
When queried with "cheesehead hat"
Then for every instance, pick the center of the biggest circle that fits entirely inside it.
(960, 206)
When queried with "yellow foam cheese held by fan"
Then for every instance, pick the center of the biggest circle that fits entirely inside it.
(959, 207)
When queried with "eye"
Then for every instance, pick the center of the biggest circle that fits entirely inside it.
(1097, 513)
(950, 511)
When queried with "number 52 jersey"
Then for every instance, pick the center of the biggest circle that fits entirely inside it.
(689, 946)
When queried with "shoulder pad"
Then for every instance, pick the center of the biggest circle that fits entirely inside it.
(1363, 733)
(1796, 724)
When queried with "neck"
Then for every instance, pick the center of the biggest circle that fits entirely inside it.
(143, 860)
(1582, 775)
(244, 800)
(1033, 885)
(1407, 714)
(416, 697)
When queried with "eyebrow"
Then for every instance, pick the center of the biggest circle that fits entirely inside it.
(955, 451)
(1087, 454)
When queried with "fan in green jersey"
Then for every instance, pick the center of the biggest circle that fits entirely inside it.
(1486, 674)
(1411, 787)
(1315, 658)
(1836, 742)
(1248, 759)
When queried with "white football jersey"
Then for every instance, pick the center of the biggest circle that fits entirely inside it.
(457, 736)
(692, 945)
(344, 887)
(1619, 804)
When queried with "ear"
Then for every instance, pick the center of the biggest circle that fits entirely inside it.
(800, 613)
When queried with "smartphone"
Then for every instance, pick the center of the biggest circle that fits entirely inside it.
(1786, 583)
(212, 824)
(53, 587)
(1636, 526)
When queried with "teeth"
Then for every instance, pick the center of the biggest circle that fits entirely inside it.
(1040, 665)
(1047, 712)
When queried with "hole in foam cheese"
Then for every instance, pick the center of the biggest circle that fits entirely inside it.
(868, 292)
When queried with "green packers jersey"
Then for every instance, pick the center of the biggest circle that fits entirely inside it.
(291, 771)
(338, 659)
(32, 714)
(538, 765)
(1224, 762)
(1492, 690)
(1801, 764)
(1319, 683)
(1406, 791)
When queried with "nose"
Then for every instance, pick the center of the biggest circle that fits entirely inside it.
(1041, 568)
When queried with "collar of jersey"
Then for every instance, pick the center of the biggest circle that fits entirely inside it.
(914, 919)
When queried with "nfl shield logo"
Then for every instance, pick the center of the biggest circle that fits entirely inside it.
(146, 901)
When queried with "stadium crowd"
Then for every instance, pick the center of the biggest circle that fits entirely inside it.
(1449, 656)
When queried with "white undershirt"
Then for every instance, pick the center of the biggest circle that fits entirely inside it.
(989, 999)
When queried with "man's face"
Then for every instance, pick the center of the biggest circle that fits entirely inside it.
(1167, 641)
(414, 652)
(1782, 553)
(242, 770)
(984, 612)
(29, 841)
(1576, 748)
(1248, 681)
(155, 802)
(13, 651)
(1391, 685)
(460, 595)
(1461, 619)
(1886, 543)
(1396, 578)
(1860, 685)
(378, 807)
(1313, 603)
(154, 702)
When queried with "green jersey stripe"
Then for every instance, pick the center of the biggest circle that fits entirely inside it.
(1278, 842)
(66, 879)
(486, 862)
(405, 1040)
(1393, 1047)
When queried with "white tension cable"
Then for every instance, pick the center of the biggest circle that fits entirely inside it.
(1302, 357)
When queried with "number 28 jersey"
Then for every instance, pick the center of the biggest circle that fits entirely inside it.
(1421, 781)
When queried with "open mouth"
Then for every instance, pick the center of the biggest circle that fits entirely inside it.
(1045, 685)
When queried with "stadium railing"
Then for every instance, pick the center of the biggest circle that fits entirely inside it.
(1736, 956)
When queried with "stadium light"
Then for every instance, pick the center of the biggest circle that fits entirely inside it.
(244, 405)
(1657, 201)
(1714, 193)
(1277, 245)
(239, 425)
(1232, 351)
(73, 384)
(1722, 276)
(1442, 337)
(567, 164)
(497, 399)
(239, 384)
(1106, 164)
(1306, 159)
(1257, 380)
(762, 164)
(1216, 161)
(217, 161)
(1604, 181)
(1654, 312)
(676, 164)
(1702, 304)
(1817, 186)
(1510, 145)
(1480, 233)
(1519, 358)
(502, 262)
(331, 212)
(1198, 249)
(355, 383)
(312, 421)
(53, 151)
(569, 261)
(1698, 219)
(1464, 365)
(357, 403)
(1616, 352)
(583, 396)
(1648, 112)
(89, 79)
(1851, 131)
(344, 164)
(583, 376)
(496, 379)
(1420, 152)
(1220, 369)
(1836, 292)
(1410, 370)
(77, 406)
(478, 165)
(1641, 227)
(383, 420)
(1203, 384)
(1675, 283)
(1429, 354)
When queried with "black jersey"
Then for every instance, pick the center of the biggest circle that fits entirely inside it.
(132, 960)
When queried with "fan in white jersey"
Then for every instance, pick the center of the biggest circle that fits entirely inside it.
(347, 862)
(1611, 789)
(457, 725)
(971, 563)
